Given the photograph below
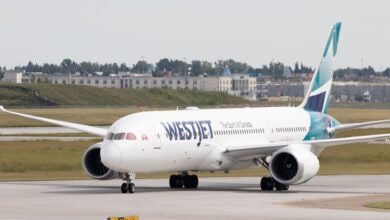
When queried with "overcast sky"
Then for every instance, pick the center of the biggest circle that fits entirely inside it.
(255, 31)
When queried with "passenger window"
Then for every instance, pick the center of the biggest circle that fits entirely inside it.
(130, 136)
(119, 136)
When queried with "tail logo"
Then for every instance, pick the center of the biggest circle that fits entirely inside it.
(318, 95)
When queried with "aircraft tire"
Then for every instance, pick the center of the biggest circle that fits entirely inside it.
(172, 181)
(176, 181)
(131, 188)
(179, 181)
(281, 187)
(194, 181)
(191, 181)
(124, 188)
(267, 184)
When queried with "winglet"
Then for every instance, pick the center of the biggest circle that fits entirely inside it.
(2, 108)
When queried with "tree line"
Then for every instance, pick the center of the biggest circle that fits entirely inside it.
(273, 70)
(178, 67)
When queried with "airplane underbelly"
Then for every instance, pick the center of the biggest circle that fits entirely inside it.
(179, 156)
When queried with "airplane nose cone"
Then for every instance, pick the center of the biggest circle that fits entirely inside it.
(111, 155)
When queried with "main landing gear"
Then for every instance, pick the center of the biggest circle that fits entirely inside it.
(268, 184)
(188, 181)
(128, 186)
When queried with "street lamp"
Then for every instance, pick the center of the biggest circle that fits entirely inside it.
(185, 66)
(143, 64)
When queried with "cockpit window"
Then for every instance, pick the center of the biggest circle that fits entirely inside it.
(119, 136)
(130, 136)
(109, 136)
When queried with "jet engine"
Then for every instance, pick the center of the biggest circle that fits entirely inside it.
(93, 165)
(294, 164)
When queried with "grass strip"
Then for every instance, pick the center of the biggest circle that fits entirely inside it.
(378, 205)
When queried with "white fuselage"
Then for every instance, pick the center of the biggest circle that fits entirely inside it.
(185, 140)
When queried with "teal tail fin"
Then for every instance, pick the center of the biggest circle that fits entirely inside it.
(318, 95)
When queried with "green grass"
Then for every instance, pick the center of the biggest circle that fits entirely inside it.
(25, 156)
(352, 115)
(49, 135)
(91, 116)
(46, 160)
(106, 116)
(75, 95)
(379, 205)
(360, 132)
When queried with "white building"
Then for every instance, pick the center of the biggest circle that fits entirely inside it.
(138, 81)
(239, 85)
(244, 86)
(244, 83)
(220, 83)
(147, 81)
(12, 77)
(97, 81)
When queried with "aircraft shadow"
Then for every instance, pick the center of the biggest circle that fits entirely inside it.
(213, 187)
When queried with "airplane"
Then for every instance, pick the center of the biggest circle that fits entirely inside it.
(286, 141)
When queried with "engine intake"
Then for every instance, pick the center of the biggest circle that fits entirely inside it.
(93, 165)
(294, 164)
(286, 166)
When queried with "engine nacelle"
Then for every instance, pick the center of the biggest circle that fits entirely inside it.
(294, 164)
(93, 165)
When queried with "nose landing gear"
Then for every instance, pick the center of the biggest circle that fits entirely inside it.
(128, 186)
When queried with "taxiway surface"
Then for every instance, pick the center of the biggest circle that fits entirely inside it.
(216, 198)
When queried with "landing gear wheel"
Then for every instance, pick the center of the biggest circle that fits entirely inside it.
(176, 181)
(191, 182)
(195, 181)
(131, 188)
(267, 184)
(124, 188)
(179, 181)
(128, 186)
(280, 187)
(172, 181)
(187, 182)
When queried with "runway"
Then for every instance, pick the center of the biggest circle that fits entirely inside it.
(62, 130)
(216, 198)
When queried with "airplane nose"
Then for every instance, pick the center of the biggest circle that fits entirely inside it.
(111, 155)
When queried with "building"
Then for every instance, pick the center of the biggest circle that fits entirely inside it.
(235, 84)
(244, 86)
(96, 81)
(148, 81)
(219, 83)
(138, 81)
(244, 83)
(12, 77)
(341, 91)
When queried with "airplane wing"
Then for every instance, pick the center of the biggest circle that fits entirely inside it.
(358, 125)
(85, 128)
(254, 151)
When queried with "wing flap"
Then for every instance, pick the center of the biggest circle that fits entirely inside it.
(80, 127)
